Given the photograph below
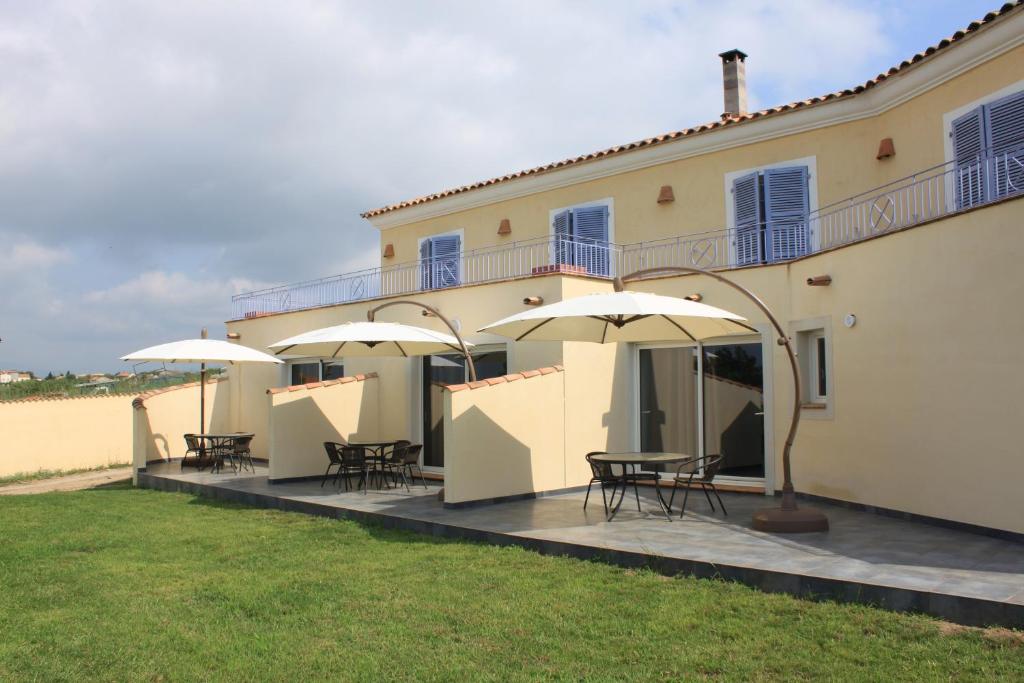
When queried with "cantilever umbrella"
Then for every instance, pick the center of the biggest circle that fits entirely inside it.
(621, 317)
(201, 351)
(368, 339)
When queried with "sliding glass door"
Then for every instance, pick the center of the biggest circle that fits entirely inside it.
(450, 368)
(704, 398)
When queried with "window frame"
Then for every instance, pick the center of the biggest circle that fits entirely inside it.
(461, 233)
(608, 202)
(810, 162)
(309, 360)
(805, 333)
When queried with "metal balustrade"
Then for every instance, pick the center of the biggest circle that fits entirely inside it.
(935, 192)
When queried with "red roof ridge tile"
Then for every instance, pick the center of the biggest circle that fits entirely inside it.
(711, 125)
(504, 379)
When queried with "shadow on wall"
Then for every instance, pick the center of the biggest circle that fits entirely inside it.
(172, 414)
(300, 426)
(483, 460)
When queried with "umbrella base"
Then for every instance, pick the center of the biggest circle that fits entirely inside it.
(780, 520)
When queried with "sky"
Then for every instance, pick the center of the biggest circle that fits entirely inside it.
(158, 157)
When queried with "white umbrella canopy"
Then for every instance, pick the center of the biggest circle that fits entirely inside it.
(621, 317)
(201, 351)
(368, 339)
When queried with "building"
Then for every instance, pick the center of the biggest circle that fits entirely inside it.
(900, 196)
(9, 376)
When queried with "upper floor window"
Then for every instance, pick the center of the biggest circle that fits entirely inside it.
(988, 151)
(440, 257)
(582, 236)
(770, 214)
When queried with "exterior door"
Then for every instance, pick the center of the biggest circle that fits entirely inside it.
(443, 369)
(704, 398)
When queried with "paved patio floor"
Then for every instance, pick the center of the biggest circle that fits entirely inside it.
(893, 563)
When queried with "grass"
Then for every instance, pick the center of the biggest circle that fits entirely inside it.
(122, 584)
(25, 477)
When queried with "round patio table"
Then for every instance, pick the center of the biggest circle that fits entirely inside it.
(217, 445)
(630, 461)
(376, 451)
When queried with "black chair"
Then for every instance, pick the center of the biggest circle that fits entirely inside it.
(390, 457)
(700, 471)
(222, 449)
(353, 460)
(193, 448)
(334, 458)
(241, 447)
(405, 460)
(605, 474)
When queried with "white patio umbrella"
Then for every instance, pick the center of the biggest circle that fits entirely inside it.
(201, 351)
(621, 317)
(368, 339)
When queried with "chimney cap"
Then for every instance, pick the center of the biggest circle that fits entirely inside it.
(733, 55)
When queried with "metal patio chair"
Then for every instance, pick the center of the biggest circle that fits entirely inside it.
(334, 460)
(193, 451)
(405, 460)
(604, 473)
(701, 471)
(353, 461)
(241, 447)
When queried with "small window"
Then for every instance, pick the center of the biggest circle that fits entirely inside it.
(440, 261)
(818, 377)
(582, 237)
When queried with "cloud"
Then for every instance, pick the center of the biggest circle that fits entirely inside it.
(162, 155)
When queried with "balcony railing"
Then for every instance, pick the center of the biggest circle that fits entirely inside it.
(935, 192)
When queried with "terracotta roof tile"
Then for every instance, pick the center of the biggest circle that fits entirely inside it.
(139, 401)
(504, 379)
(711, 125)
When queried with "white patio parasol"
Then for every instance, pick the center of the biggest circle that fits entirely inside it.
(624, 316)
(368, 339)
(621, 317)
(201, 351)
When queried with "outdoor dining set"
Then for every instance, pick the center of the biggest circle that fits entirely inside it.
(373, 464)
(217, 450)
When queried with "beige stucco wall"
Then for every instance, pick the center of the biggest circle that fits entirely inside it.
(507, 439)
(163, 418)
(65, 434)
(844, 155)
(301, 420)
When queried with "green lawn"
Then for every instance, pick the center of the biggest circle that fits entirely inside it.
(120, 584)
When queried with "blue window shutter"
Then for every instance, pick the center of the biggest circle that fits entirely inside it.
(968, 148)
(590, 234)
(746, 199)
(560, 223)
(446, 251)
(1004, 137)
(425, 264)
(786, 206)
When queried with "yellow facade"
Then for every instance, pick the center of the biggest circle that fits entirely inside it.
(921, 414)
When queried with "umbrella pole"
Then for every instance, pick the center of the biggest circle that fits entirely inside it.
(787, 518)
(202, 392)
(433, 311)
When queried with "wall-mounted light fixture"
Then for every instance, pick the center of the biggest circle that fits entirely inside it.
(533, 301)
(886, 149)
(819, 281)
(505, 227)
(389, 250)
(696, 296)
(427, 314)
(234, 336)
(666, 195)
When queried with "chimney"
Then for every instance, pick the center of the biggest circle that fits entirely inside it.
(734, 81)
